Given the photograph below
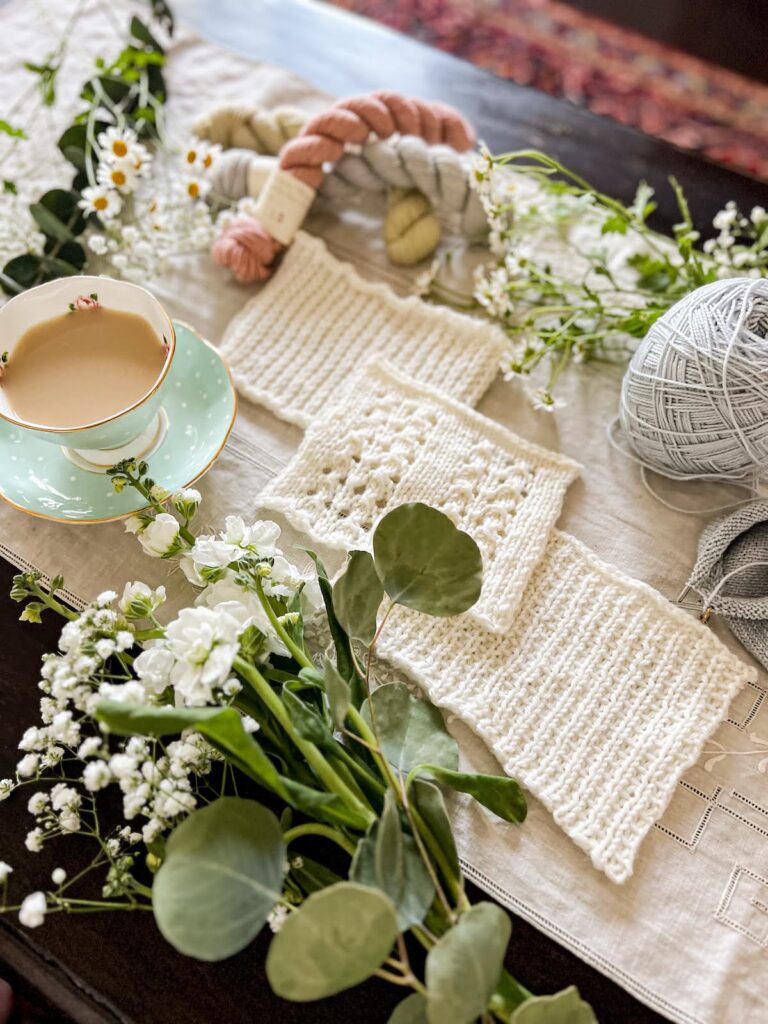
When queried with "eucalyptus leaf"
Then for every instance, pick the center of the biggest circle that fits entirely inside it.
(23, 270)
(58, 214)
(222, 726)
(73, 143)
(427, 799)
(336, 939)
(357, 595)
(388, 859)
(566, 1007)
(425, 562)
(322, 806)
(464, 966)
(412, 1010)
(499, 793)
(411, 731)
(222, 874)
(337, 691)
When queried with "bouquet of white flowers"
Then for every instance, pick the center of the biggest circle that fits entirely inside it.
(232, 737)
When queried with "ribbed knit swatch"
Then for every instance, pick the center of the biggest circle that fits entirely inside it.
(597, 700)
(387, 441)
(297, 341)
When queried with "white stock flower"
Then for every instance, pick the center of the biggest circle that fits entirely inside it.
(186, 501)
(153, 667)
(204, 642)
(33, 909)
(160, 538)
(135, 524)
(139, 600)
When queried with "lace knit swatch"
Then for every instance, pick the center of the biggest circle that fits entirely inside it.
(297, 341)
(388, 441)
(597, 700)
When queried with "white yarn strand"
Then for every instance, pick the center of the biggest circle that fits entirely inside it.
(694, 401)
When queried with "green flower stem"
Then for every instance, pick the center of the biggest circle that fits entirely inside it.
(325, 831)
(366, 777)
(301, 656)
(313, 755)
(504, 1005)
(50, 602)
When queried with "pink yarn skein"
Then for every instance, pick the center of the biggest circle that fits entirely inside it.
(248, 249)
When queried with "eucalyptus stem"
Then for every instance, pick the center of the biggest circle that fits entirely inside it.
(325, 831)
(311, 752)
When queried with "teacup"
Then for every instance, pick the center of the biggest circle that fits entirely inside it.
(135, 431)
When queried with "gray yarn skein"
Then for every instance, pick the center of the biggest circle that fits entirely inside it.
(694, 400)
(406, 162)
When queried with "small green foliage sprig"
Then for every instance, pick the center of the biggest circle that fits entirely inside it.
(596, 309)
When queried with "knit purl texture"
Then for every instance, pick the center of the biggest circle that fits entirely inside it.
(388, 441)
(294, 345)
(597, 700)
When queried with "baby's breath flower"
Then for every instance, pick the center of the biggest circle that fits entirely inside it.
(33, 910)
(58, 876)
(5, 870)
(6, 788)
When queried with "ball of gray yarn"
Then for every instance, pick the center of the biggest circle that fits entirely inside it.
(694, 401)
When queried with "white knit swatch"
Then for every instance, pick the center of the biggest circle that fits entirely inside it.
(297, 341)
(387, 441)
(597, 700)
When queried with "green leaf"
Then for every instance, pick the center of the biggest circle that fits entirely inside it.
(566, 1007)
(312, 876)
(223, 727)
(425, 562)
(499, 793)
(58, 215)
(24, 270)
(140, 31)
(337, 691)
(464, 966)
(388, 859)
(8, 129)
(9, 187)
(341, 643)
(327, 807)
(428, 801)
(222, 874)
(309, 725)
(614, 224)
(335, 940)
(412, 1010)
(411, 731)
(72, 145)
(357, 595)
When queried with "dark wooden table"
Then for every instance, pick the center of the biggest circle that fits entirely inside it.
(106, 969)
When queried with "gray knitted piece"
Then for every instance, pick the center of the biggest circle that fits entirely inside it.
(728, 544)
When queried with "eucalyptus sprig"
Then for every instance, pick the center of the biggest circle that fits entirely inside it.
(238, 740)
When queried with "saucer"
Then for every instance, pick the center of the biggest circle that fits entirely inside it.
(37, 477)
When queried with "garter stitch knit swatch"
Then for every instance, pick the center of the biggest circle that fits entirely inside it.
(597, 700)
(295, 344)
(387, 441)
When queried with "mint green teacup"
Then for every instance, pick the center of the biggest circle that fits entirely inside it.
(135, 431)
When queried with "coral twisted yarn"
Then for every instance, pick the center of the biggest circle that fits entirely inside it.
(248, 248)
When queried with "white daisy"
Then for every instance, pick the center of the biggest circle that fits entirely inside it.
(117, 143)
(101, 200)
(119, 174)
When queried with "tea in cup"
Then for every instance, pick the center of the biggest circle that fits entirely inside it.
(85, 361)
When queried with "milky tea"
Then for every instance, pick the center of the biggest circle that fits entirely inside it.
(83, 367)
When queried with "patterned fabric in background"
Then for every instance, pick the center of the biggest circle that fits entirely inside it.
(610, 70)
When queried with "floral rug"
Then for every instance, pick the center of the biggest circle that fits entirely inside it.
(610, 70)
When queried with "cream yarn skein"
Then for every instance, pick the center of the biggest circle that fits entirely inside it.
(694, 400)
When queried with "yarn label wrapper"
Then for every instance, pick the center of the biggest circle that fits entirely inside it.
(283, 205)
